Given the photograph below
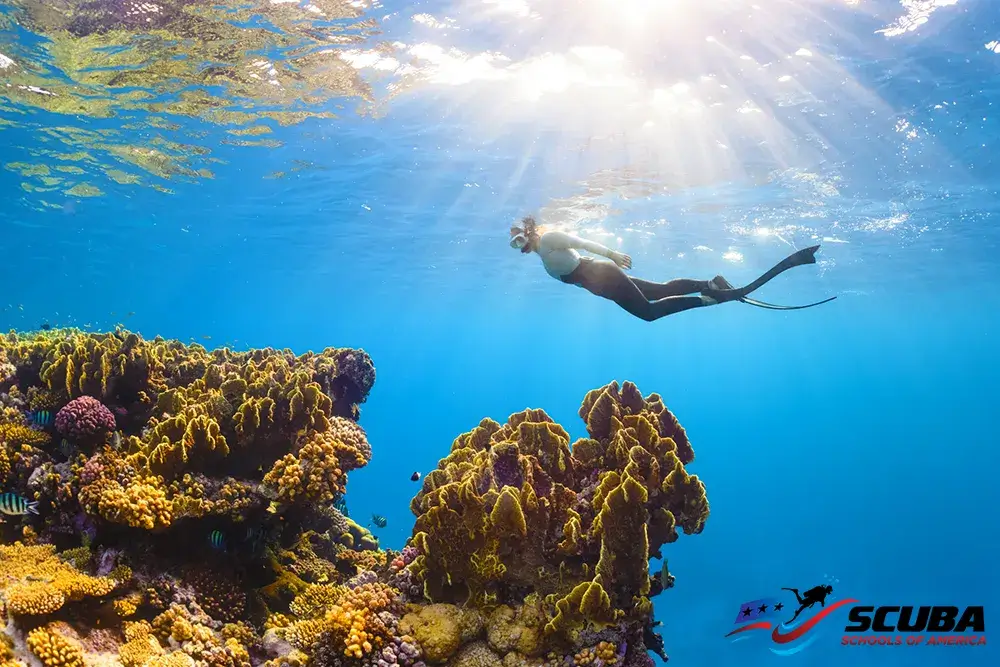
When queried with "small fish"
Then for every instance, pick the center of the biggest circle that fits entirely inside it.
(666, 579)
(66, 448)
(12, 504)
(116, 440)
(379, 520)
(217, 539)
(206, 338)
(41, 417)
(415, 477)
(256, 536)
(45, 326)
(340, 504)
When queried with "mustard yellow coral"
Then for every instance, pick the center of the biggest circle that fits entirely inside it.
(515, 506)
(347, 619)
(16, 434)
(54, 650)
(35, 581)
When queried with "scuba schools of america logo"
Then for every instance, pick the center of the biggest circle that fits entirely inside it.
(791, 626)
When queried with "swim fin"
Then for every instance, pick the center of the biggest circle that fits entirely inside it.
(804, 256)
(771, 306)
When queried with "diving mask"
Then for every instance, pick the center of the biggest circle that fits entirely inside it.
(519, 241)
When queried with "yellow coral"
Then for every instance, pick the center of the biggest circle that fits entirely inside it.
(4, 462)
(347, 618)
(513, 505)
(16, 435)
(192, 433)
(141, 504)
(437, 629)
(128, 605)
(36, 582)
(175, 659)
(54, 650)
(314, 473)
(141, 645)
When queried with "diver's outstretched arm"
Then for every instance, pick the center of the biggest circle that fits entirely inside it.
(564, 241)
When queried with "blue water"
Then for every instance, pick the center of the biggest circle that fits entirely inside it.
(848, 443)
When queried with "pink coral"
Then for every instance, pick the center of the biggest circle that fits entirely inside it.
(85, 419)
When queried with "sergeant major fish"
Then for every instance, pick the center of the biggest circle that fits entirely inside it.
(12, 504)
(217, 540)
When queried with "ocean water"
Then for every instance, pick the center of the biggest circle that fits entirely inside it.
(851, 443)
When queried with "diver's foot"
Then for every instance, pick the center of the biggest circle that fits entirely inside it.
(719, 283)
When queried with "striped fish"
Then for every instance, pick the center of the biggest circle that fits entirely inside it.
(12, 504)
(256, 535)
(379, 520)
(217, 539)
(41, 417)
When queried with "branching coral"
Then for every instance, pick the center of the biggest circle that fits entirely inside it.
(54, 650)
(35, 581)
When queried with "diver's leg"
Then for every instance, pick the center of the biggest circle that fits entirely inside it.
(655, 291)
(606, 280)
(798, 598)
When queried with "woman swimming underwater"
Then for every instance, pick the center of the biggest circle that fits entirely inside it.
(646, 300)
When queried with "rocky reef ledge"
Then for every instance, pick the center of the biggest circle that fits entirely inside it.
(167, 505)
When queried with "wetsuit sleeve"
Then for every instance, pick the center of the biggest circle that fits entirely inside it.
(564, 241)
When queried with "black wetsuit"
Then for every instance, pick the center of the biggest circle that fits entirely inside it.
(645, 299)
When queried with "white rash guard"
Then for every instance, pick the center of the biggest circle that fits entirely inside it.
(559, 255)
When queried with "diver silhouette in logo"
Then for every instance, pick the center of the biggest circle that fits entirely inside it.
(811, 597)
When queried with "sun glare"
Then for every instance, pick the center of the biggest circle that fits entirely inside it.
(687, 88)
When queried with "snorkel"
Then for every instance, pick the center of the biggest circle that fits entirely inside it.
(521, 237)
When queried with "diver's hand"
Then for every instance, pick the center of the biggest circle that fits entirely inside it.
(621, 259)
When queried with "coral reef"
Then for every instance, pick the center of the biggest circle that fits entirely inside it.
(188, 517)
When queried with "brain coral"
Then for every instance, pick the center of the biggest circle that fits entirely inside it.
(514, 508)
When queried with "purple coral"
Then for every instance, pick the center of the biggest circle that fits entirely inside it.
(408, 554)
(365, 577)
(85, 419)
(403, 651)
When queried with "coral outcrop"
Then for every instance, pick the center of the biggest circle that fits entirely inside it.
(514, 510)
(189, 515)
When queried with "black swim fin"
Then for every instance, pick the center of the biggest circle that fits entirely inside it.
(771, 306)
(804, 256)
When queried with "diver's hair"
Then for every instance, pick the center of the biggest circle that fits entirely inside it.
(529, 225)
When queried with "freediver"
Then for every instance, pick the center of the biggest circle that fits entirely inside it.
(811, 597)
(644, 299)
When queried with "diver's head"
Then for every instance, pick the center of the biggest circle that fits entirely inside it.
(524, 236)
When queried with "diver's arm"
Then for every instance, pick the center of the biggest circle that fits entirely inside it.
(564, 241)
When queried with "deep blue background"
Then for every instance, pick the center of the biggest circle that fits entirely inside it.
(853, 442)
